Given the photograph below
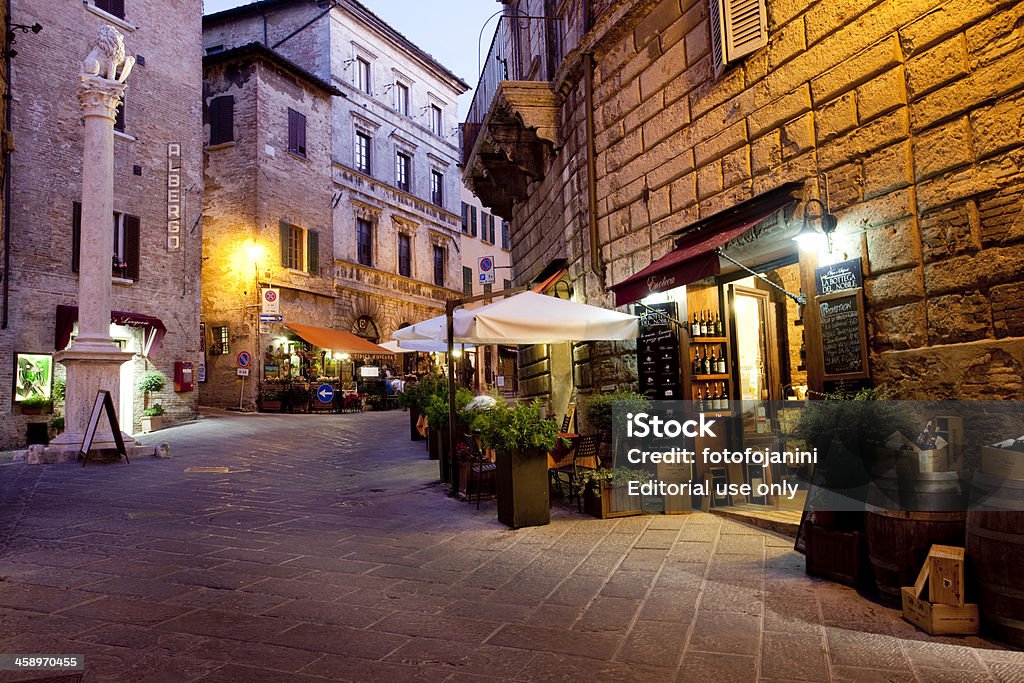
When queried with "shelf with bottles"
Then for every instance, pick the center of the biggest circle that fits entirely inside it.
(708, 360)
(712, 397)
(706, 326)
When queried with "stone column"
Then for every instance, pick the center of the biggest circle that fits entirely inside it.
(93, 361)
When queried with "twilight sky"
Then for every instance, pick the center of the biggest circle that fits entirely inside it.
(447, 30)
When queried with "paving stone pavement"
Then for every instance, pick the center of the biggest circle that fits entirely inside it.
(328, 551)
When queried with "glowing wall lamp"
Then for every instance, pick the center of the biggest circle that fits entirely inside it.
(809, 238)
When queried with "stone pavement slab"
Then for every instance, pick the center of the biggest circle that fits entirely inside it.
(328, 551)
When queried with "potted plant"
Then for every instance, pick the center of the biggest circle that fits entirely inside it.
(152, 418)
(599, 411)
(56, 425)
(521, 439)
(606, 491)
(436, 410)
(35, 405)
(415, 396)
(270, 398)
(151, 382)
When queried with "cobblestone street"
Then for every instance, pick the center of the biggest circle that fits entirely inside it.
(329, 551)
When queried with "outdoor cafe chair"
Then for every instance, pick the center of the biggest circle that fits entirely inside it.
(583, 456)
(480, 468)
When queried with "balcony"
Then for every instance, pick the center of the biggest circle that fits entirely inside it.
(512, 124)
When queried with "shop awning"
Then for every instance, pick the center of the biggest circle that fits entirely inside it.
(153, 329)
(694, 257)
(338, 341)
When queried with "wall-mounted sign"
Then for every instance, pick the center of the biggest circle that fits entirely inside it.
(839, 277)
(174, 197)
(33, 376)
(244, 359)
(844, 343)
(270, 300)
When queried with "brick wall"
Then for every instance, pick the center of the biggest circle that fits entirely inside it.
(162, 107)
(912, 109)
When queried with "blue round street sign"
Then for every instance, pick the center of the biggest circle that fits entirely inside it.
(244, 359)
(325, 392)
(486, 264)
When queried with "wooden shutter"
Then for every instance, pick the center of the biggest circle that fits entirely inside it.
(222, 119)
(132, 247)
(115, 7)
(746, 27)
(285, 233)
(738, 27)
(296, 133)
(76, 235)
(312, 252)
(467, 281)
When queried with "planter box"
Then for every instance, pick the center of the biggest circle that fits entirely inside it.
(521, 488)
(614, 501)
(270, 406)
(151, 423)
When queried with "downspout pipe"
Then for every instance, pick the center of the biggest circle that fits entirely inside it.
(596, 266)
(4, 314)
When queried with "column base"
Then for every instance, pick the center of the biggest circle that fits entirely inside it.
(91, 368)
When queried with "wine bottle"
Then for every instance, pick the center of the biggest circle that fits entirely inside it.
(714, 361)
(695, 326)
(721, 361)
(716, 401)
(725, 398)
(706, 366)
(719, 327)
(696, 361)
(700, 401)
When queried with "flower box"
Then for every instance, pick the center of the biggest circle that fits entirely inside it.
(614, 501)
(151, 423)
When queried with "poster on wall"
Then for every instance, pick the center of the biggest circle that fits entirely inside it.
(657, 349)
(33, 376)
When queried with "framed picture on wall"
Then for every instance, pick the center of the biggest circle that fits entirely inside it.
(33, 376)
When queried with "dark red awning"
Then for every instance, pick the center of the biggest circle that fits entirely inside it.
(154, 328)
(695, 259)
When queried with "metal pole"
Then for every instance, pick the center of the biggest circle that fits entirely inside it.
(449, 313)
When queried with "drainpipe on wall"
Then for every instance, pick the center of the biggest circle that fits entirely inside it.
(596, 266)
(7, 172)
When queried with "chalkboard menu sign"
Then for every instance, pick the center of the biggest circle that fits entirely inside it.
(839, 277)
(843, 339)
(657, 350)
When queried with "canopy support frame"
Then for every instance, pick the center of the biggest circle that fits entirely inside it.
(449, 313)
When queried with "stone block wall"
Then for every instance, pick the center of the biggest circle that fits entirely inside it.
(162, 107)
(912, 110)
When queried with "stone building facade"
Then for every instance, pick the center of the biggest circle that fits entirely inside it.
(157, 197)
(393, 188)
(908, 112)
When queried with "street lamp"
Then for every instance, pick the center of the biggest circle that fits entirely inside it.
(808, 238)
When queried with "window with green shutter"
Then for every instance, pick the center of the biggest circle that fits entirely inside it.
(467, 281)
(313, 252)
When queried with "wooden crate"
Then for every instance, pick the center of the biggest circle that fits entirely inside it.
(1002, 462)
(946, 575)
(936, 619)
(837, 555)
(943, 572)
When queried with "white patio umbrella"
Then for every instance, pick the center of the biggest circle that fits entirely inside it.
(532, 318)
(429, 345)
(393, 347)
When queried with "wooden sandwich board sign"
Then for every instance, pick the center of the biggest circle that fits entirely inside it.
(103, 403)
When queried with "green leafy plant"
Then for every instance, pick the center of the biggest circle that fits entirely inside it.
(518, 427)
(270, 392)
(59, 389)
(153, 411)
(57, 424)
(436, 406)
(614, 477)
(599, 408)
(152, 381)
(417, 394)
(37, 402)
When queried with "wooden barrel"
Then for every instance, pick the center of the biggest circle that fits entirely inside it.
(995, 555)
(906, 515)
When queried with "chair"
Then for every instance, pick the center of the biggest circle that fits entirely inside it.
(570, 413)
(583, 456)
(480, 468)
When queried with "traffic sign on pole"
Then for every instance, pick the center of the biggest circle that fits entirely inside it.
(244, 359)
(271, 318)
(271, 300)
(325, 392)
(486, 270)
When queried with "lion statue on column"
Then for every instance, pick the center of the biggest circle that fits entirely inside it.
(107, 55)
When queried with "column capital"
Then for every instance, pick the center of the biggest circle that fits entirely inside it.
(100, 96)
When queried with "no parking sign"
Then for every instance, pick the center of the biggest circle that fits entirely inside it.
(486, 270)
(271, 301)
